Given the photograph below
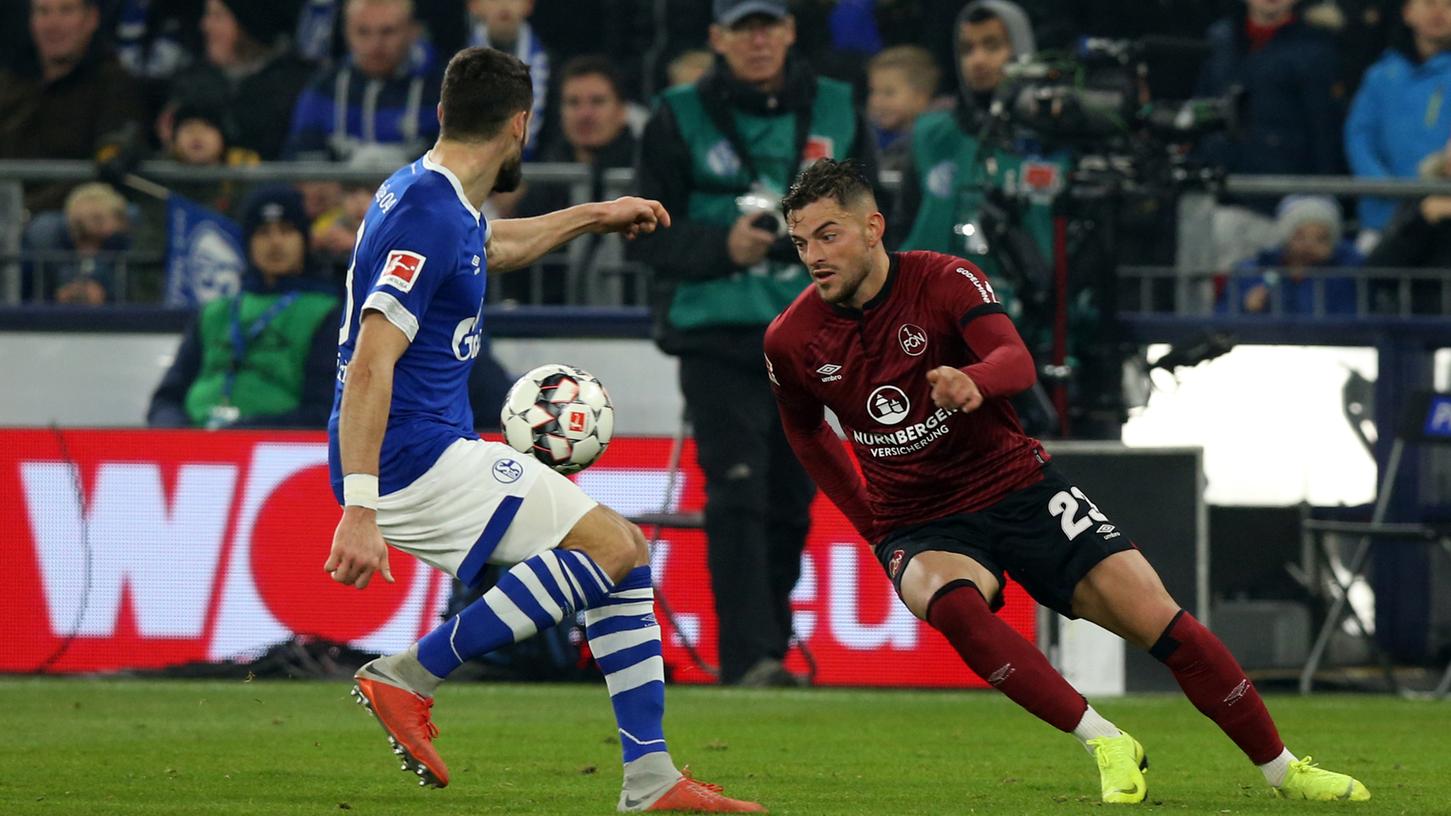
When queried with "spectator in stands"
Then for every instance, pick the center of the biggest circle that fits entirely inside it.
(74, 102)
(1286, 279)
(154, 39)
(504, 26)
(719, 154)
(249, 70)
(1418, 237)
(956, 198)
(267, 356)
(335, 229)
(203, 135)
(901, 82)
(1287, 68)
(593, 129)
(73, 252)
(377, 107)
(1400, 115)
(688, 67)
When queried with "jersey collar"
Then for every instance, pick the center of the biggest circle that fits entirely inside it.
(878, 299)
(458, 188)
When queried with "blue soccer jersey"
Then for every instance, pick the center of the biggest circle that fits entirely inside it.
(419, 260)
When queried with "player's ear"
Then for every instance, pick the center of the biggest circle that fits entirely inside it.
(876, 228)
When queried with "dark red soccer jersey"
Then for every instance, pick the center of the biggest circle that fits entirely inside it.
(870, 368)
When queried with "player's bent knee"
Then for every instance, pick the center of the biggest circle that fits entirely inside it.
(605, 537)
(927, 573)
(642, 547)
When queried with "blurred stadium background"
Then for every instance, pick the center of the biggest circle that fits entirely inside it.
(1284, 467)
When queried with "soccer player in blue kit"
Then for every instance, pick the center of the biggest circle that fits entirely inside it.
(410, 472)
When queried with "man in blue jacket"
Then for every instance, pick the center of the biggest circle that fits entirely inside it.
(1400, 115)
(377, 106)
(1287, 69)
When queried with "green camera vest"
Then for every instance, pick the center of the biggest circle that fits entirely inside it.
(269, 376)
(751, 297)
(954, 178)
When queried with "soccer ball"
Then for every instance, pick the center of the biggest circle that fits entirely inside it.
(560, 414)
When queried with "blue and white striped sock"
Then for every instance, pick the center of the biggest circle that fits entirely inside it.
(534, 594)
(625, 641)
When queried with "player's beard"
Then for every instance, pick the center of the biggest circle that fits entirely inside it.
(511, 174)
(849, 284)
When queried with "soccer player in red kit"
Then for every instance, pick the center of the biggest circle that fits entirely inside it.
(915, 356)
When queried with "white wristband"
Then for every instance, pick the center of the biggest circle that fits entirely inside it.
(360, 490)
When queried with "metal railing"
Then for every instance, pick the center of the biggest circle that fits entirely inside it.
(597, 274)
(584, 272)
(1388, 291)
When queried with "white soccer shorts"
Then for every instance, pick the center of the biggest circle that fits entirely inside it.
(481, 503)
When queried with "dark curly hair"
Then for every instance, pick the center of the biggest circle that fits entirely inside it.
(483, 89)
(843, 181)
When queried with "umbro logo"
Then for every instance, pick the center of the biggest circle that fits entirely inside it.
(1000, 676)
(1238, 693)
(829, 373)
(1107, 531)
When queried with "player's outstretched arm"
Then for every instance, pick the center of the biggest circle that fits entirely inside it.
(358, 549)
(515, 243)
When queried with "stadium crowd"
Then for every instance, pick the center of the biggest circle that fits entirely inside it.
(1331, 87)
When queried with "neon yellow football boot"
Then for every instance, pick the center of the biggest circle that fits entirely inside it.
(1305, 781)
(1121, 765)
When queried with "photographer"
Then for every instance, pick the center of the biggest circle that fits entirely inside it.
(985, 199)
(719, 154)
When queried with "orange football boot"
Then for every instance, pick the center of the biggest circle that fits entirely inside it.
(690, 795)
(404, 716)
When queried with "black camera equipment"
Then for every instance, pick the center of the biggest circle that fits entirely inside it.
(1129, 160)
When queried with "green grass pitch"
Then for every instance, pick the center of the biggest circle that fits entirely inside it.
(191, 747)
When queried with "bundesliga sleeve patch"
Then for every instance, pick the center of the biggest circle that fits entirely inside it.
(401, 269)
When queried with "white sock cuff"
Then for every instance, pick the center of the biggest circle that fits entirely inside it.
(1093, 726)
(1276, 769)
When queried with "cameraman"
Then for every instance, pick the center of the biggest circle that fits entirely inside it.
(719, 154)
(969, 188)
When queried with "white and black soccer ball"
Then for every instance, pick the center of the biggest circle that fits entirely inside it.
(560, 414)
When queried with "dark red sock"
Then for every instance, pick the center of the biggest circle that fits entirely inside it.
(1002, 657)
(1216, 685)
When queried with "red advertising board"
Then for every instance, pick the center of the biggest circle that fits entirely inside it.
(142, 549)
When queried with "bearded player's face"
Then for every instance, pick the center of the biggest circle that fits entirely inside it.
(832, 242)
(511, 172)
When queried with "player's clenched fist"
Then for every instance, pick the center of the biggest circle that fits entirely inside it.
(631, 216)
(358, 550)
(951, 388)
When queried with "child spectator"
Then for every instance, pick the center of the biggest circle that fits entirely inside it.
(902, 81)
(74, 250)
(1275, 280)
(203, 135)
(249, 70)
